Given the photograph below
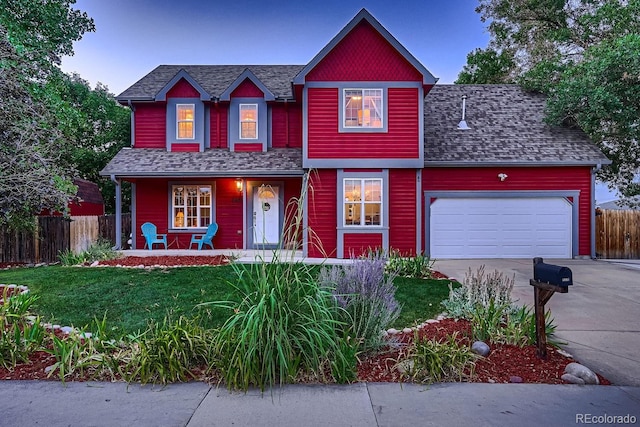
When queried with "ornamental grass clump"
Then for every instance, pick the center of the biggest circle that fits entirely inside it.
(282, 324)
(366, 294)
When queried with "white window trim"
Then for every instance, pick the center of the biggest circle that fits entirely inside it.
(193, 121)
(362, 203)
(344, 108)
(184, 206)
(240, 120)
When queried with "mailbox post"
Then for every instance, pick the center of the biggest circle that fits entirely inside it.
(547, 280)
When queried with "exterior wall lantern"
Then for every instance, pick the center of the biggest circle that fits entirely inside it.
(239, 185)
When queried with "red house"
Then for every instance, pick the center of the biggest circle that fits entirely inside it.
(380, 147)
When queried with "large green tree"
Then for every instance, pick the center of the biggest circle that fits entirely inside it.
(584, 55)
(31, 175)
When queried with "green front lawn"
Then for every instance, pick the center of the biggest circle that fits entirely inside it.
(132, 297)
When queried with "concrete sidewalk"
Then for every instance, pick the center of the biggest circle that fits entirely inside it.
(32, 403)
(599, 317)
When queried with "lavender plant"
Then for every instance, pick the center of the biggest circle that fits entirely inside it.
(366, 294)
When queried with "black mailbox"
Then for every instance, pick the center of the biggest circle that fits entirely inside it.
(552, 274)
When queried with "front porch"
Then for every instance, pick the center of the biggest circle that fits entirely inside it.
(240, 255)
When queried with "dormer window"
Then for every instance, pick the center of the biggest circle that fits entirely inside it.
(363, 108)
(185, 121)
(248, 121)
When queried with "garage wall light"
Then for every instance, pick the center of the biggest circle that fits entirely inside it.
(502, 176)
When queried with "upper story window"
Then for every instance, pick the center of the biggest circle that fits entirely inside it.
(363, 108)
(248, 121)
(362, 202)
(185, 121)
(191, 207)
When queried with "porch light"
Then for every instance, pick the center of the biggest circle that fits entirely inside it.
(239, 185)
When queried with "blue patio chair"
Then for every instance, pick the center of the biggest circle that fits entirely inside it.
(204, 239)
(150, 233)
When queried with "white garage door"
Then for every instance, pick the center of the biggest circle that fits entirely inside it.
(501, 228)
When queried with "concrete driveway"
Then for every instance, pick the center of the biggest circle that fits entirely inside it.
(599, 317)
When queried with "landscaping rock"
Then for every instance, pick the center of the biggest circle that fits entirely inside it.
(571, 379)
(94, 264)
(66, 329)
(582, 372)
(480, 348)
(392, 331)
(515, 379)
(433, 321)
(407, 330)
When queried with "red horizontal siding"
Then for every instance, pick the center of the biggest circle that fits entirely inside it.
(358, 244)
(219, 125)
(402, 210)
(322, 213)
(185, 147)
(243, 146)
(150, 125)
(401, 141)
(247, 89)
(229, 215)
(520, 179)
(183, 89)
(364, 55)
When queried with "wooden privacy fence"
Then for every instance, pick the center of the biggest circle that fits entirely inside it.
(55, 234)
(617, 234)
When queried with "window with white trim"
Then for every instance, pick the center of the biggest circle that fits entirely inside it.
(248, 121)
(362, 202)
(191, 207)
(185, 121)
(363, 108)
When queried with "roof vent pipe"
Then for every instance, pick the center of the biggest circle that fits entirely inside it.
(463, 125)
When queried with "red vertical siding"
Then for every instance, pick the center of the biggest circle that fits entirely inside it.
(364, 55)
(401, 141)
(519, 179)
(218, 125)
(358, 244)
(150, 125)
(248, 90)
(322, 213)
(286, 125)
(183, 89)
(402, 210)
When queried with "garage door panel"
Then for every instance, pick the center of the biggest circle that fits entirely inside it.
(501, 228)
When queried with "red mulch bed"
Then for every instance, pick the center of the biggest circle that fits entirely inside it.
(501, 366)
(167, 261)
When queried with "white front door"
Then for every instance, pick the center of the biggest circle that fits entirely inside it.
(501, 228)
(266, 215)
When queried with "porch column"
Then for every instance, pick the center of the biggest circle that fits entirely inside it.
(118, 183)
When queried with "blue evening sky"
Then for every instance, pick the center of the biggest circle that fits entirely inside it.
(134, 36)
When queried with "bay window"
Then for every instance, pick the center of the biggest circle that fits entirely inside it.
(192, 206)
(362, 202)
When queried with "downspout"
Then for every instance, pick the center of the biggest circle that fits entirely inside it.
(593, 210)
(118, 244)
(133, 123)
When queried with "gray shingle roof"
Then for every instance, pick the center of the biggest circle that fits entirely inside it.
(215, 79)
(215, 162)
(507, 126)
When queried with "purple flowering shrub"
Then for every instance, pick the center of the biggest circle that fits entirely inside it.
(366, 295)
